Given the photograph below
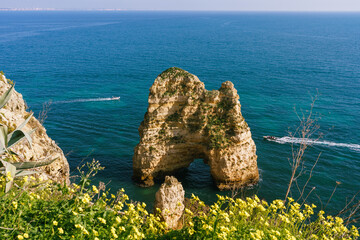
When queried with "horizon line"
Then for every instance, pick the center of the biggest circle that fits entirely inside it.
(172, 10)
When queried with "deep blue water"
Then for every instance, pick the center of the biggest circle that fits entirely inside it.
(276, 61)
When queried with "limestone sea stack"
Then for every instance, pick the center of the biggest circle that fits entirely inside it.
(170, 199)
(12, 115)
(184, 121)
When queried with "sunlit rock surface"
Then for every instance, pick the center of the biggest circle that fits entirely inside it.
(184, 121)
(169, 199)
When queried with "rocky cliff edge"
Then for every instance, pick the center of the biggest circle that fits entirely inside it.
(12, 115)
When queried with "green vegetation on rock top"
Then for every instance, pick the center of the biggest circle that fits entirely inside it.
(174, 72)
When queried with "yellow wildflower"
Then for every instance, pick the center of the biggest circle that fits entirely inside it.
(61, 231)
(95, 190)
(86, 198)
(10, 178)
(113, 232)
(261, 208)
(102, 220)
(188, 211)
(257, 235)
(354, 231)
(339, 220)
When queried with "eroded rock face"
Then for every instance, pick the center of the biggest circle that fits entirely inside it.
(12, 115)
(170, 200)
(184, 121)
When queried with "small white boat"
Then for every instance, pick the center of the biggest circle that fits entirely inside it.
(270, 138)
(115, 98)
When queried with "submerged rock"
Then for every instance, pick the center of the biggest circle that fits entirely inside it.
(184, 121)
(169, 199)
(12, 115)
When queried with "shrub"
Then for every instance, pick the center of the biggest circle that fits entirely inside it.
(47, 210)
(252, 218)
(38, 209)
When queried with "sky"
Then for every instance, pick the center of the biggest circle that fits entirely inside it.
(202, 5)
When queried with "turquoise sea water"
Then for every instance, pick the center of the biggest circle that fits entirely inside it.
(276, 61)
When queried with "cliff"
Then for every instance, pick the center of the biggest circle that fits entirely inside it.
(12, 115)
(184, 122)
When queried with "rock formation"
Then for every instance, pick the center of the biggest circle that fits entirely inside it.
(184, 122)
(170, 200)
(12, 115)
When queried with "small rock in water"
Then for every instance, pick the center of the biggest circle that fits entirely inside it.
(170, 200)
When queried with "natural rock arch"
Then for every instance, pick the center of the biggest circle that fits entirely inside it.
(184, 122)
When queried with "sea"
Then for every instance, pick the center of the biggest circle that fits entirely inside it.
(279, 63)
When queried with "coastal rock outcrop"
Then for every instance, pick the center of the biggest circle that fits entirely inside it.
(12, 115)
(170, 200)
(184, 121)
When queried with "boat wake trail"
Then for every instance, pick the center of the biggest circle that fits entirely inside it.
(88, 100)
(284, 140)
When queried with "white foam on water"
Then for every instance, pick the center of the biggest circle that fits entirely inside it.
(284, 140)
(87, 100)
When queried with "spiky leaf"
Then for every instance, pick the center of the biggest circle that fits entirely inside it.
(17, 136)
(22, 173)
(24, 122)
(9, 168)
(30, 165)
(3, 138)
(6, 96)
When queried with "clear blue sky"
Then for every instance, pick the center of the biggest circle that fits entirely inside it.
(239, 5)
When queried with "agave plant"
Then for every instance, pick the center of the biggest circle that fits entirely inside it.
(6, 96)
(8, 140)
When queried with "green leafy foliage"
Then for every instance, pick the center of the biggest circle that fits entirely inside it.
(174, 72)
(38, 209)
